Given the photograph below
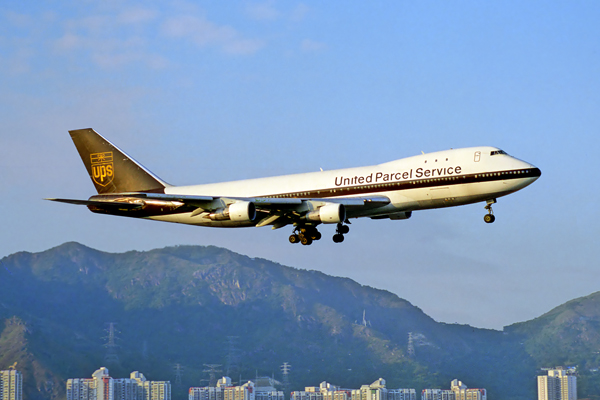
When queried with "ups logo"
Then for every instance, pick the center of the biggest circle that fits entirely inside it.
(103, 170)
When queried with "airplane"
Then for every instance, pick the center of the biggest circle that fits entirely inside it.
(391, 190)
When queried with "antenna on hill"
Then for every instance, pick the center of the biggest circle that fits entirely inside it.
(111, 357)
(364, 321)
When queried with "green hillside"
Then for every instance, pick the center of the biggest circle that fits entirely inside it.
(567, 335)
(179, 305)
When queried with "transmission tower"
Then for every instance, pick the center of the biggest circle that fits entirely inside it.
(285, 370)
(178, 369)
(212, 370)
(233, 356)
(411, 346)
(111, 357)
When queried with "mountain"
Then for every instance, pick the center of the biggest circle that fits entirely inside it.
(567, 335)
(195, 305)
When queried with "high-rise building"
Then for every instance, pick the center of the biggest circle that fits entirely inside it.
(248, 391)
(458, 391)
(206, 393)
(103, 387)
(11, 385)
(559, 384)
(81, 389)
(462, 392)
(243, 392)
(375, 391)
(401, 394)
(437, 394)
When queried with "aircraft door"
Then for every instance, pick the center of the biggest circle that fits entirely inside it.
(477, 156)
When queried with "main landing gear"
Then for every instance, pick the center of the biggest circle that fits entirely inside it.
(307, 234)
(340, 231)
(489, 217)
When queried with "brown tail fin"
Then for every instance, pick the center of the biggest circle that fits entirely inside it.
(111, 170)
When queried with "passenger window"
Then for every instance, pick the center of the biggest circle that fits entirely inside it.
(477, 156)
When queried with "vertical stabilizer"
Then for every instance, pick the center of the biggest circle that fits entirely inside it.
(111, 170)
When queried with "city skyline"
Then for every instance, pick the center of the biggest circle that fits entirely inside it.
(559, 384)
(208, 92)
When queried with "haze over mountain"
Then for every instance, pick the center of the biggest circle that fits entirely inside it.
(179, 305)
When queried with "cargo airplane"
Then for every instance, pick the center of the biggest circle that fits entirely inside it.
(392, 190)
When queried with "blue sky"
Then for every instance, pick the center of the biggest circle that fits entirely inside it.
(204, 92)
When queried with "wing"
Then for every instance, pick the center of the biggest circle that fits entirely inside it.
(258, 211)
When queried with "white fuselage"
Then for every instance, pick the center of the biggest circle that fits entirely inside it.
(441, 179)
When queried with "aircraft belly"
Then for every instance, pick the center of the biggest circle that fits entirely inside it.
(187, 219)
(455, 195)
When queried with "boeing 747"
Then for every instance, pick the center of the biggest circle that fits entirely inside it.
(392, 190)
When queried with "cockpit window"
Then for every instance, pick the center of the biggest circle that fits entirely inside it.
(496, 152)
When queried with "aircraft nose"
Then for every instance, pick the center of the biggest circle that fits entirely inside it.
(535, 172)
(531, 171)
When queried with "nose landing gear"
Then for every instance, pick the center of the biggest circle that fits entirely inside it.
(489, 217)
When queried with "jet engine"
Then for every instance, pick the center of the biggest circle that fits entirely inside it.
(241, 211)
(327, 214)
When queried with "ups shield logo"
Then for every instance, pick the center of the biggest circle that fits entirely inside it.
(103, 170)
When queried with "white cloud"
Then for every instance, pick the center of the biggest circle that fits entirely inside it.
(19, 62)
(137, 16)
(18, 20)
(308, 45)
(69, 42)
(205, 33)
(108, 41)
(300, 12)
(263, 11)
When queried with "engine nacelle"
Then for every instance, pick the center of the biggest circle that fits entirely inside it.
(328, 214)
(401, 215)
(395, 216)
(241, 211)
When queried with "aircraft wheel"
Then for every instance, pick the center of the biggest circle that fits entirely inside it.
(338, 238)
(306, 241)
(316, 235)
(344, 229)
(294, 239)
(489, 218)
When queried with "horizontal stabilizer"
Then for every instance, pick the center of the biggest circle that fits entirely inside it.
(101, 204)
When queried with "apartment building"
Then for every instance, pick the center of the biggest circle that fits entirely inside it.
(11, 385)
(103, 387)
(558, 384)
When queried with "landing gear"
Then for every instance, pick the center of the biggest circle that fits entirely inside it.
(305, 235)
(340, 231)
(489, 217)
(294, 238)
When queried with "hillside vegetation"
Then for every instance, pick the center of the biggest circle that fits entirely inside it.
(179, 305)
